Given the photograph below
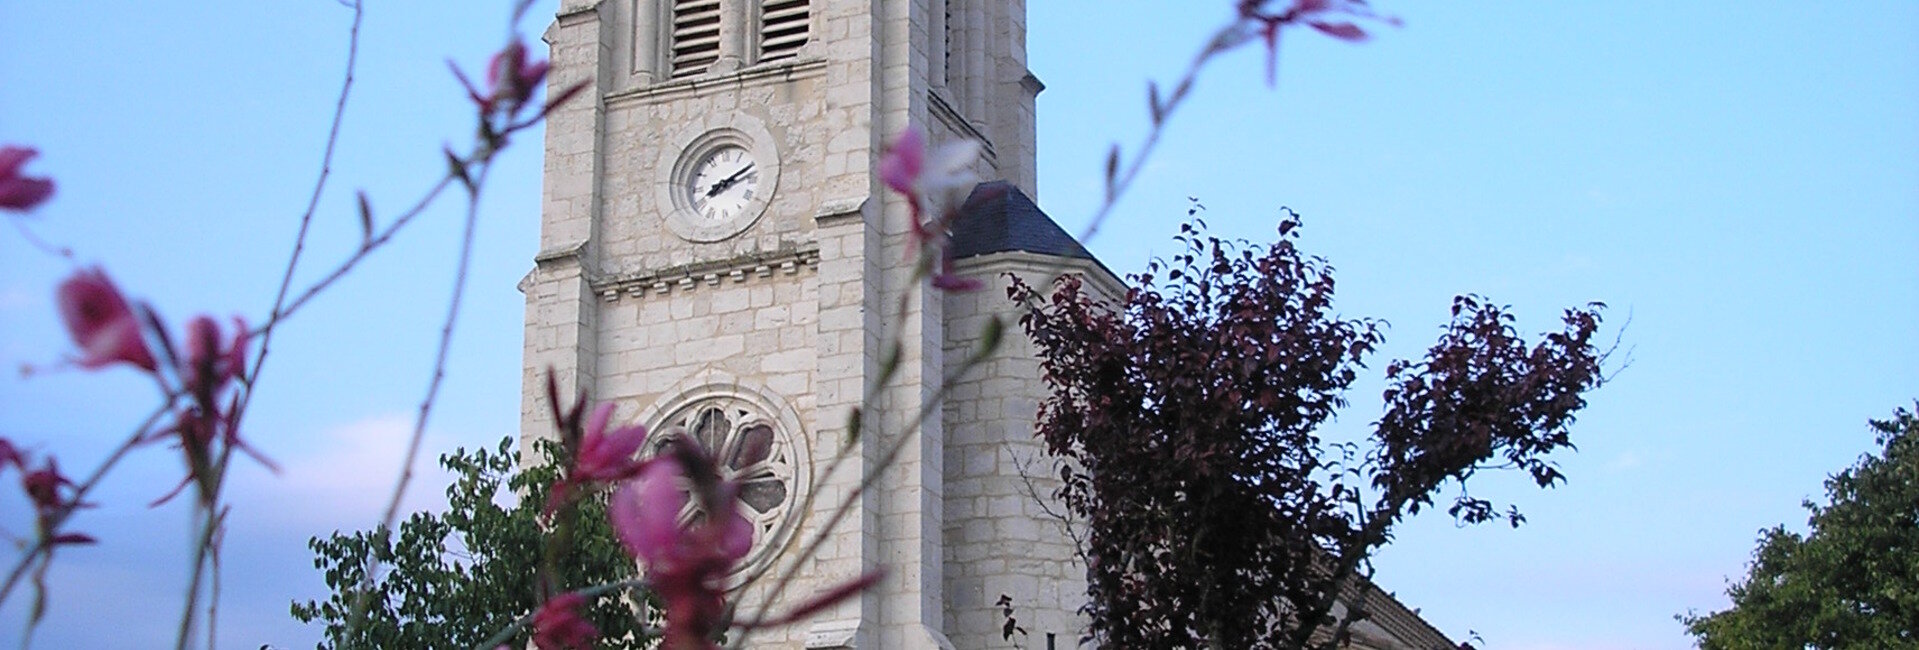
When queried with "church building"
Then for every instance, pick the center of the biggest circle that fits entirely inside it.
(718, 253)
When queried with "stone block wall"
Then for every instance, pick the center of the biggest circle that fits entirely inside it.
(787, 317)
(1005, 533)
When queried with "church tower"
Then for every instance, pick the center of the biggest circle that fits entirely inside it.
(718, 253)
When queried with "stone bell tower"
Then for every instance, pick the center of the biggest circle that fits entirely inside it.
(717, 253)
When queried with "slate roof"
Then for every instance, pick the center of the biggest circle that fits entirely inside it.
(998, 218)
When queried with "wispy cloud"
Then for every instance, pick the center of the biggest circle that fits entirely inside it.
(348, 480)
(14, 297)
(1625, 461)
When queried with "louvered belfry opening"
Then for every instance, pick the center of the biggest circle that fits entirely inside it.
(696, 36)
(783, 26)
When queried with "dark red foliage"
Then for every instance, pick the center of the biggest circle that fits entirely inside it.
(1188, 417)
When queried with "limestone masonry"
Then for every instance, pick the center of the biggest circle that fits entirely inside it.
(717, 253)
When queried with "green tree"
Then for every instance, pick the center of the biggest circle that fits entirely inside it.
(1852, 581)
(456, 578)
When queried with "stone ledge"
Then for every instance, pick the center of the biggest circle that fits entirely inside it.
(836, 211)
(687, 277)
(762, 74)
(568, 253)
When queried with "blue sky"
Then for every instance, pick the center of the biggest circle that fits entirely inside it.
(1740, 181)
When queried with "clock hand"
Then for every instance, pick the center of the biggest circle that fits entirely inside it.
(728, 181)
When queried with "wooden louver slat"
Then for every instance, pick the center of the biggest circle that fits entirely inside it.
(783, 28)
(696, 36)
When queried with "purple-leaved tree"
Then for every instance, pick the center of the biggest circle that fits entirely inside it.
(1189, 416)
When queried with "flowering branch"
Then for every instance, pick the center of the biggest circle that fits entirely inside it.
(512, 81)
(20, 194)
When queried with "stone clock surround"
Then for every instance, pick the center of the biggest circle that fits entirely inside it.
(688, 143)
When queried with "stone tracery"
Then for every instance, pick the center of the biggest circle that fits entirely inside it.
(755, 451)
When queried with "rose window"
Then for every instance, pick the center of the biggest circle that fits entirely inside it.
(753, 451)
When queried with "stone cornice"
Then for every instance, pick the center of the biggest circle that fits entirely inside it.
(569, 253)
(788, 260)
(758, 75)
(1095, 273)
(572, 12)
(1032, 84)
(837, 211)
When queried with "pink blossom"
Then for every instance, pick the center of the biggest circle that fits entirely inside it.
(602, 456)
(208, 368)
(935, 185)
(11, 456)
(512, 77)
(946, 280)
(558, 625)
(900, 166)
(100, 321)
(688, 560)
(53, 496)
(211, 416)
(1327, 16)
(686, 563)
(511, 80)
(933, 182)
(20, 193)
(608, 456)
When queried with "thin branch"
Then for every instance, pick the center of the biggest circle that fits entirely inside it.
(366, 249)
(927, 410)
(213, 599)
(313, 201)
(392, 514)
(1065, 519)
(1120, 176)
(500, 638)
(35, 240)
(440, 359)
(202, 546)
(80, 491)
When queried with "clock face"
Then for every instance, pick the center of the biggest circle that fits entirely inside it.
(717, 180)
(723, 184)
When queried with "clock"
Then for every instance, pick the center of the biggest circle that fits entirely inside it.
(718, 180)
(724, 183)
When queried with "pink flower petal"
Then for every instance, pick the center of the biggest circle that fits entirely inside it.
(596, 423)
(11, 456)
(645, 511)
(203, 344)
(100, 321)
(559, 626)
(236, 357)
(737, 537)
(17, 192)
(900, 167)
(1342, 31)
(607, 455)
